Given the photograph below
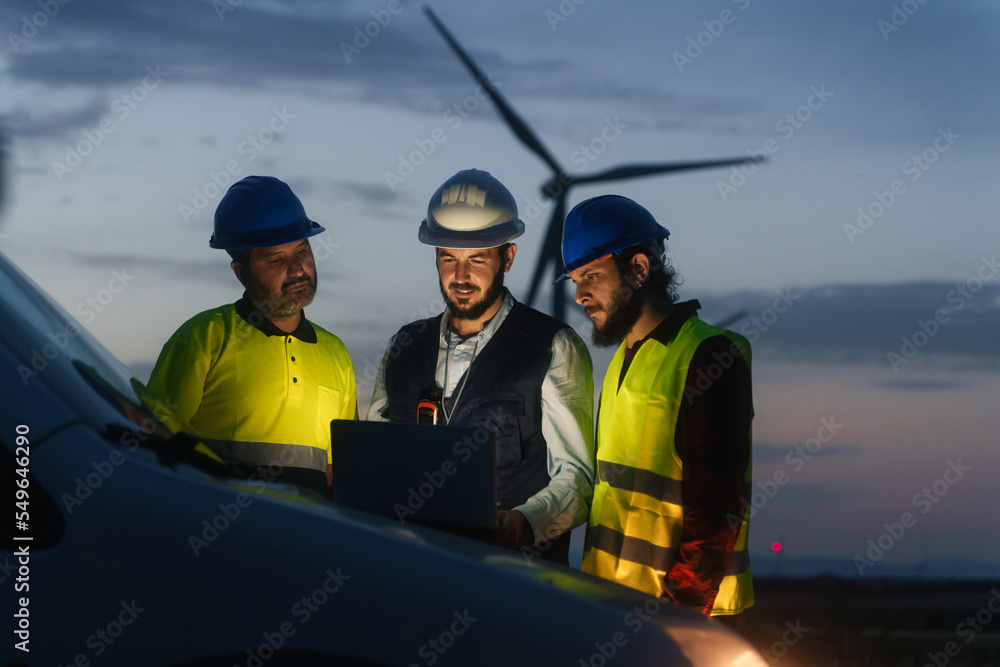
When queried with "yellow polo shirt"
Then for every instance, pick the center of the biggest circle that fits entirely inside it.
(256, 394)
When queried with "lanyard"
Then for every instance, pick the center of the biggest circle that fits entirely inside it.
(461, 384)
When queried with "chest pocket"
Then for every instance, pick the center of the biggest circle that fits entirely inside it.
(501, 414)
(329, 407)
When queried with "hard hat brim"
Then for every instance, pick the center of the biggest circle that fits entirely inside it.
(491, 237)
(270, 237)
(582, 265)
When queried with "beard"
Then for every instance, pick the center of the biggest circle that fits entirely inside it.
(475, 310)
(285, 304)
(622, 314)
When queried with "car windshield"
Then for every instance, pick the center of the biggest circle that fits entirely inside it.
(51, 347)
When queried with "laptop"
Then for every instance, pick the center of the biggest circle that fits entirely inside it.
(441, 476)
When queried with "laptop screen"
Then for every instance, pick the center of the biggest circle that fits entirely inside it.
(433, 475)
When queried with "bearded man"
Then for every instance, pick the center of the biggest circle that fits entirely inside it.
(669, 515)
(490, 361)
(255, 379)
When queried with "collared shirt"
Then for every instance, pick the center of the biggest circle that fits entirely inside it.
(567, 417)
(256, 393)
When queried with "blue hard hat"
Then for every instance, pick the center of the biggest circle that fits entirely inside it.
(603, 226)
(260, 212)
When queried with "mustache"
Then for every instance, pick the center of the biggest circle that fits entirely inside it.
(295, 281)
(463, 286)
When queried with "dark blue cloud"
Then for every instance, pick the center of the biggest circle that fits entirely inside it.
(861, 323)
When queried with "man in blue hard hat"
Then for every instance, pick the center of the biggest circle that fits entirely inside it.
(489, 360)
(255, 379)
(669, 515)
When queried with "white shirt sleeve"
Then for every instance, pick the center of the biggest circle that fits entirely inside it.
(568, 429)
(377, 409)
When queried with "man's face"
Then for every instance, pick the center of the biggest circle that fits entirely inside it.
(612, 303)
(472, 279)
(280, 280)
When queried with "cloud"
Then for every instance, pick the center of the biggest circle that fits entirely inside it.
(369, 194)
(171, 268)
(31, 123)
(106, 47)
(767, 453)
(923, 385)
(862, 323)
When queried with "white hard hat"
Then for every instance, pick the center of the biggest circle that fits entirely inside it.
(471, 210)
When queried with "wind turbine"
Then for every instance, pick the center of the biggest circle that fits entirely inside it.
(557, 188)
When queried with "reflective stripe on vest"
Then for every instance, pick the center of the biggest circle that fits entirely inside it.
(272, 454)
(637, 514)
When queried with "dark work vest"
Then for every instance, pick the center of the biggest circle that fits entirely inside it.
(503, 390)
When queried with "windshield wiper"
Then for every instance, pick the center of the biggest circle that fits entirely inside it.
(179, 449)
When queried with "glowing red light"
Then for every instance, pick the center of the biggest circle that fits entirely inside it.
(776, 546)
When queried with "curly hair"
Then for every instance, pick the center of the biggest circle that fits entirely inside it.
(663, 279)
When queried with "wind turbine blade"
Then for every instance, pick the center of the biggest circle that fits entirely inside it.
(551, 251)
(3, 167)
(732, 319)
(519, 127)
(633, 171)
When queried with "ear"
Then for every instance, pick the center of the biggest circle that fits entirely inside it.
(237, 269)
(640, 268)
(509, 259)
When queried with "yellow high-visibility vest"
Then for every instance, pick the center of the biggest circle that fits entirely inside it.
(257, 398)
(637, 515)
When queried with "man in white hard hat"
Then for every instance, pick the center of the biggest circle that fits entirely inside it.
(489, 360)
(255, 379)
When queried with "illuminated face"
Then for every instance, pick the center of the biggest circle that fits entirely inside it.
(472, 279)
(611, 303)
(280, 280)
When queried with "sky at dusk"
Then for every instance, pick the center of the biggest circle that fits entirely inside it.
(863, 254)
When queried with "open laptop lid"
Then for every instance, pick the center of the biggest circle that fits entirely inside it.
(436, 475)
